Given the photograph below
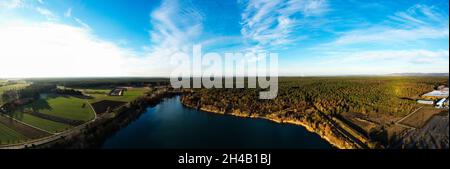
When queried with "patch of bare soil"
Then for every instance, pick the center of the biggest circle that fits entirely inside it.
(421, 117)
(104, 105)
(433, 135)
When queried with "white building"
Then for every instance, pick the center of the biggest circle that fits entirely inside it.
(438, 93)
(430, 102)
(440, 103)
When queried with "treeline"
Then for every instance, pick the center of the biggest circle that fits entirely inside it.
(7, 83)
(31, 91)
(72, 92)
(103, 82)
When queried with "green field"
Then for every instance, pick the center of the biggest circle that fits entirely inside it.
(8, 136)
(44, 124)
(67, 107)
(63, 106)
(102, 94)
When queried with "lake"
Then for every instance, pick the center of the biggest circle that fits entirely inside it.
(170, 125)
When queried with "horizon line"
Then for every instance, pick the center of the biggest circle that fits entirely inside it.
(323, 75)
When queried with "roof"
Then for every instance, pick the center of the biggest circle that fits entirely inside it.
(438, 93)
(425, 101)
(441, 101)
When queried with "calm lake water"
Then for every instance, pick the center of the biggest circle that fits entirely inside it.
(171, 125)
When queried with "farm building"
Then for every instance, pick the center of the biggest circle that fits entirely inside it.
(117, 92)
(440, 87)
(443, 93)
(440, 103)
(430, 102)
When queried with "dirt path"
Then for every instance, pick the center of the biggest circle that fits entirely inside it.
(410, 114)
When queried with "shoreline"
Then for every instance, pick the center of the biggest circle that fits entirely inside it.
(333, 138)
(92, 135)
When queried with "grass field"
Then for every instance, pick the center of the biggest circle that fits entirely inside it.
(68, 107)
(8, 136)
(44, 124)
(129, 95)
(63, 106)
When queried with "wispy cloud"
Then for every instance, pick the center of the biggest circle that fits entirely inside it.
(416, 56)
(411, 39)
(267, 23)
(389, 45)
(11, 4)
(47, 13)
(52, 46)
(417, 23)
(68, 13)
(384, 35)
(372, 62)
(35, 5)
(84, 25)
(175, 27)
(419, 15)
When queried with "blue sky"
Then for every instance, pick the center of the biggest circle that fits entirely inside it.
(316, 37)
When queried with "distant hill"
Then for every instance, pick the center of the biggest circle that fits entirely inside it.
(418, 74)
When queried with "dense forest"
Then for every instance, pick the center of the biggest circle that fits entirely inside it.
(372, 98)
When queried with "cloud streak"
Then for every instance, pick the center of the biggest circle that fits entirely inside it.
(417, 23)
(269, 23)
(47, 13)
(60, 50)
(175, 27)
(384, 35)
(406, 40)
(68, 13)
(11, 4)
(83, 24)
(416, 56)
